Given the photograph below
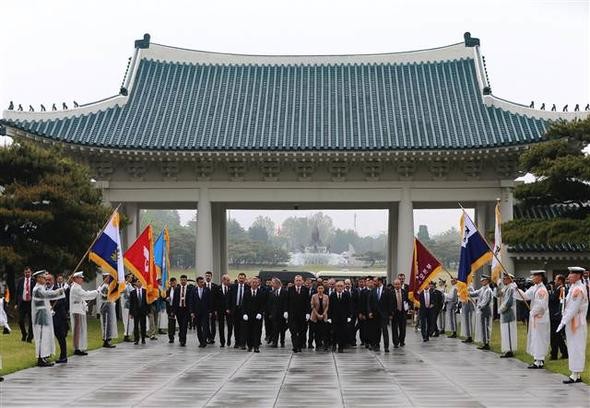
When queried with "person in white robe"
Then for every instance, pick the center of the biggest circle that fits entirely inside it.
(576, 326)
(4, 318)
(78, 309)
(451, 304)
(483, 311)
(42, 319)
(127, 320)
(507, 309)
(108, 313)
(539, 326)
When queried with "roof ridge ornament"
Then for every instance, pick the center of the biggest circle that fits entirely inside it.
(470, 41)
(144, 42)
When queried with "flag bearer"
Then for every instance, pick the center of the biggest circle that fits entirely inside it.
(78, 309)
(108, 313)
(507, 309)
(484, 307)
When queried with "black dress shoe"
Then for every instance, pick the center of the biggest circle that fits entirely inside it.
(80, 353)
(402, 344)
(508, 354)
(222, 345)
(295, 350)
(107, 344)
(387, 350)
(282, 344)
(171, 341)
(42, 362)
(572, 381)
(534, 367)
(136, 342)
(484, 347)
(468, 340)
(181, 344)
(235, 346)
(142, 341)
(395, 346)
(256, 350)
(61, 361)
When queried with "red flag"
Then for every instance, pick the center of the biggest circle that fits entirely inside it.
(425, 267)
(139, 259)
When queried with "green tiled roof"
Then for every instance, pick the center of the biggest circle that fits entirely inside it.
(176, 106)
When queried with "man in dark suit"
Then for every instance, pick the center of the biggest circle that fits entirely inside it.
(24, 295)
(236, 305)
(398, 322)
(267, 288)
(276, 308)
(138, 310)
(180, 306)
(438, 300)
(298, 312)
(426, 312)
(60, 318)
(223, 310)
(361, 309)
(354, 299)
(254, 303)
(170, 310)
(339, 315)
(200, 307)
(380, 308)
(402, 279)
(556, 299)
(213, 290)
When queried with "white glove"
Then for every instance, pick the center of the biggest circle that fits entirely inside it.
(307, 316)
(258, 316)
(559, 328)
(406, 306)
(329, 321)
(286, 315)
(245, 317)
(348, 320)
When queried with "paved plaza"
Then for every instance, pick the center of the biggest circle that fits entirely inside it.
(443, 372)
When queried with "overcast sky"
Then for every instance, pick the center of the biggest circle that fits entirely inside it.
(55, 51)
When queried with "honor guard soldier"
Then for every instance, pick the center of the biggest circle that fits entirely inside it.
(574, 321)
(507, 309)
(538, 335)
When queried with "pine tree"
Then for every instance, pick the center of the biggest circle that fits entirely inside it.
(49, 209)
(562, 171)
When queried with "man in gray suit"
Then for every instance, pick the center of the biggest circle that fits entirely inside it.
(484, 306)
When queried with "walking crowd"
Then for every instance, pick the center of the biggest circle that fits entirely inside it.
(323, 315)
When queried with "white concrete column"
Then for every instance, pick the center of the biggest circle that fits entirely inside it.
(132, 229)
(507, 211)
(392, 221)
(204, 253)
(219, 241)
(405, 232)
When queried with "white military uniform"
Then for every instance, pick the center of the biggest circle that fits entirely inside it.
(483, 313)
(539, 326)
(467, 319)
(507, 309)
(576, 328)
(42, 319)
(3, 317)
(78, 309)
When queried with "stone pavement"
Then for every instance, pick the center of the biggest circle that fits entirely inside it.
(441, 373)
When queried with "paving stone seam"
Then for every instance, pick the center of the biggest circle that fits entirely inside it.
(338, 378)
(227, 379)
(174, 378)
(401, 387)
(283, 380)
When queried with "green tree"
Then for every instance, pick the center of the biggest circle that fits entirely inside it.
(50, 211)
(562, 178)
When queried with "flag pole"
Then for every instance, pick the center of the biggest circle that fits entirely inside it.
(95, 239)
(492, 251)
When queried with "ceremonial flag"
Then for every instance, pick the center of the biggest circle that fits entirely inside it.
(106, 252)
(425, 267)
(496, 260)
(475, 253)
(139, 259)
(162, 257)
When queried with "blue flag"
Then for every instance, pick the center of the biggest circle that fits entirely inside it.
(107, 254)
(475, 253)
(162, 257)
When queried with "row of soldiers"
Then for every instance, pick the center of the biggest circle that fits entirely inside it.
(551, 310)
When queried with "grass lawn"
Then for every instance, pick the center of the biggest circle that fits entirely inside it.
(17, 354)
(557, 366)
